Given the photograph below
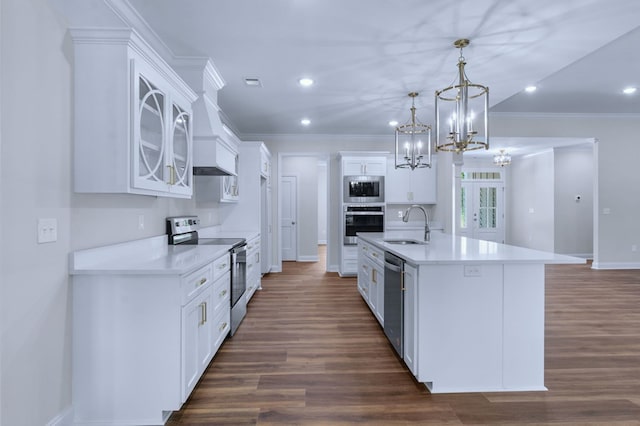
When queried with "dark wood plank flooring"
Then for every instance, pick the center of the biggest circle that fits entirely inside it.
(310, 352)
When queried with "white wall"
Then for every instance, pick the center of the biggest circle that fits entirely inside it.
(616, 155)
(531, 202)
(574, 218)
(37, 142)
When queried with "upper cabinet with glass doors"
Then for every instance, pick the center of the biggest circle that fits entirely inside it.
(133, 130)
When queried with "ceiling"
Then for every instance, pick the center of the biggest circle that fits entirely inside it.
(366, 55)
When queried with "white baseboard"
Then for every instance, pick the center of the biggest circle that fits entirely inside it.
(64, 418)
(276, 268)
(615, 265)
(313, 258)
(333, 268)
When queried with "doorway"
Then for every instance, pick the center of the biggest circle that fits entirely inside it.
(303, 234)
(482, 206)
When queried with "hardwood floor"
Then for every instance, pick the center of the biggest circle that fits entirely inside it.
(310, 352)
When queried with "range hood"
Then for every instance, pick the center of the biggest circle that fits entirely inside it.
(213, 154)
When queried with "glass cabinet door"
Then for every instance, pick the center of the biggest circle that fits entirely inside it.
(181, 146)
(151, 135)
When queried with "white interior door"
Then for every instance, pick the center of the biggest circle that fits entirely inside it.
(482, 211)
(288, 220)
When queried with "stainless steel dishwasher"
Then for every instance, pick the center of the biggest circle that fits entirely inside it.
(394, 301)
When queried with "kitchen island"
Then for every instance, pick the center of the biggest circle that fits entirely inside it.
(473, 310)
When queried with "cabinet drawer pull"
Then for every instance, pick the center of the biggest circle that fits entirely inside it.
(374, 254)
(202, 281)
(222, 266)
(374, 276)
(203, 313)
(223, 293)
(223, 326)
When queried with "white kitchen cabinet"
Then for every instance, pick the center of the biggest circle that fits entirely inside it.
(349, 260)
(410, 281)
(406, 186)
(252, 212)
(141, 341)
(133, 125)
(229, 186)
(253, 267)
(364, 165)
(197, 341)
(371, 278)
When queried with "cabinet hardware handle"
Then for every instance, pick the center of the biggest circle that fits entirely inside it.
(223, 293)
(202, 281)
(402, 281)
(202, 314)
(223, 326)
(374, 254)
(223, 266)
(172, 175)
(374, 276)
(205, 312)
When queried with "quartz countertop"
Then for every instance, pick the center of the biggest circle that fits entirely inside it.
(450, 249)
(147, 256)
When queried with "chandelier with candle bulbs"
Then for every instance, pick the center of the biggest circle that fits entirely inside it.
(464, 107)
(502, 159)
(413, 141)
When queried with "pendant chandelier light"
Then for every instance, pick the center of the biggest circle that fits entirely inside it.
(458, 104)
(414, 140)
(502, 159)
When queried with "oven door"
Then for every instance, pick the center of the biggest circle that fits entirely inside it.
(355, 222)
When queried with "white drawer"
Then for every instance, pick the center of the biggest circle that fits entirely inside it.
(221, 266)
(222, 293)
(196, 281)
(221, 327)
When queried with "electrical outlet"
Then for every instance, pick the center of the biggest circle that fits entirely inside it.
(47, 230)
(141, 222)
(399, 213)
(472, 271)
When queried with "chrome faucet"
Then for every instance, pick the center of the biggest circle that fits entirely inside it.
(427, 230)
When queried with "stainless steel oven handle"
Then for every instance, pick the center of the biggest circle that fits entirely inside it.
(364, 213)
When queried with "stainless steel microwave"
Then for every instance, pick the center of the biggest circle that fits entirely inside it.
(363, 189)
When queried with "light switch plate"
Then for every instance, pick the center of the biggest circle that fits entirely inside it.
(47, 230)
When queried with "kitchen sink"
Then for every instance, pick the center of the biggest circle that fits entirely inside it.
(405, 242)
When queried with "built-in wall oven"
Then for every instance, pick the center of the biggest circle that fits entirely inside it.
(362, 218)
(184, 230)
(363, 189)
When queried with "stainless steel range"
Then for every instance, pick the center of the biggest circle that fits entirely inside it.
(184, 230)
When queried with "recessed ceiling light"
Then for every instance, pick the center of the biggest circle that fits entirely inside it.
(252, 82)
(629, 90)
(305, 82)
(305, 121)
(393, 123)
(530, 89)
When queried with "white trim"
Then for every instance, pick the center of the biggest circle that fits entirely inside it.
(333, 268)
(63, 418)
(308, 259)
(276, 268)
(633, 116)
(615, 265)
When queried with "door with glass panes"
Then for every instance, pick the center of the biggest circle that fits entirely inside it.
(482, 209)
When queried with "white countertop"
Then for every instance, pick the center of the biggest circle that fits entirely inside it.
(217, 231)
(147, 256)
(447, 249)
(153, 255)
